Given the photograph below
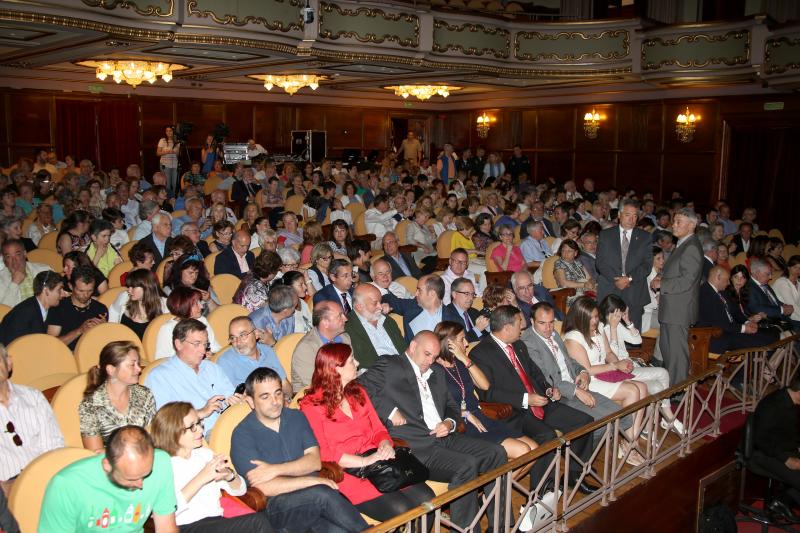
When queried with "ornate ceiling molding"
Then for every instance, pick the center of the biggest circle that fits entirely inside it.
(148, 11)
(233, 19)
(579, 36)
(367, 36)
(695, 41)
(464, 48)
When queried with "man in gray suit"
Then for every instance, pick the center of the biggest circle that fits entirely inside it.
(328, 319)
(547, 350)
(680, 291)
(624, 260)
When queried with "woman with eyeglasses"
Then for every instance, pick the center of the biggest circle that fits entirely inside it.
(200, 474)
(183, 302)
(421, 235)
(507, 256)
(113, 397)
(321, 257)
(190, 271)
(253, 290)
(222, 233)
(140, 303)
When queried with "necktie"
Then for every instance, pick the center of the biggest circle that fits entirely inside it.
(538, 411)
(544, 227)
(625, 245)
(467, 322)
(725, 306)
(768, 292)
(553, 346)
(346, 306)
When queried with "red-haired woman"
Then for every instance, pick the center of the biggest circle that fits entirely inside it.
(183, 302)
(346, 425)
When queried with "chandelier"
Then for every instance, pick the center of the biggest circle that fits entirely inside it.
(591, 124)
(291, 83)
(685, 126)
(132, 71)
(422, 92)
(483, 124)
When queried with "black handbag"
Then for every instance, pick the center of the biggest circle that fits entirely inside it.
(390, 475)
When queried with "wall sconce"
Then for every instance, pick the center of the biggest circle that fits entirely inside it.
(685, 126)
(483, 124)
(591, 124)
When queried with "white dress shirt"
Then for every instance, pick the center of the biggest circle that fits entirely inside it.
(448, 276)
(395, 288)
(558, 356)
(378, 336)
(429, 412)
(205, 503)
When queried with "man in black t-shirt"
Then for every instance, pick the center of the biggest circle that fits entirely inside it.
(78, 312)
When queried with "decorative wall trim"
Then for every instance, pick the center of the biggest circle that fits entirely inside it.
(572, 35)
(82, 23)
(472, 50)
(699, 61)
(149, 11)
(368, 37)
(775, 45)
(279, 25)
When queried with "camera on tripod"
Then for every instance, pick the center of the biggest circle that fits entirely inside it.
(182, 131)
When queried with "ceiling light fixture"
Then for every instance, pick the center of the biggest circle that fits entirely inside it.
(132, 71)
(685, 126)
(422, 92)
(291, 83)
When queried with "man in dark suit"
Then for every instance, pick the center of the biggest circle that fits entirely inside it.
(709, 256)
(624, 260)
(410, 396)
(515, 379)
(741, 241)
(715, 312)
(528, 294)
(236, 259)
(340, 289)
(372, 334)
(30, 314)
(588, 257)
(423, 311)
(460, 310)
(402, 263)
(537, 215)
(762, 299)
(680, 287)
(160, 239)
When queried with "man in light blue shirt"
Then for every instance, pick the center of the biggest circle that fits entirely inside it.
(534, 247)
(246, 354)
(194, 213)
(190, 377)
(276, 319)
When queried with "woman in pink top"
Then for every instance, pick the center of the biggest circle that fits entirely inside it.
(507, 257)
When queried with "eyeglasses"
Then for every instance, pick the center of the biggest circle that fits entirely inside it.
(525, 287)
(241, 336)
(16, 438)
(194, 427)
(198, 344)
(291, 265)
(471, 294)
(457, 262)
(327, 258)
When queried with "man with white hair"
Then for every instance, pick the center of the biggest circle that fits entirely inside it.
(160, 238)
(372, 334)
(458, 267)
(762, 299)
(379, 219)
(190, 229)
(534, 247)
(381, 272)
(680, 288)
(147, 210)
(194, 213)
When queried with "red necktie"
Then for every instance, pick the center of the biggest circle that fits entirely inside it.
(538, 411)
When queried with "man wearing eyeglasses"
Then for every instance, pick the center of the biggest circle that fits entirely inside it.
(460, 310)
(28, 425)
(276, 319)
(459, 268)
(190, 377)
(247, 353)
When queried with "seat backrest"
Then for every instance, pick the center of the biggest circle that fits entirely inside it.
(210, 260)
(110, 296)
(400, 230)
(359, 224)
(490, 265)
(48, 241)
(47, 257)
(398, 319)
(149, 368)
(4, 309)
(65, 407)
(548, 277)
(408, 282)
(294, 204)
(161, 270)
(91, 343)
(747, 443)
(220, 318)
(355, 208)
(27, 493)
(225, 286)
(126, 249)
(444, 244)
(220, 439)
(37, 357)
(150, 336)
(284, 348)
(116, 274)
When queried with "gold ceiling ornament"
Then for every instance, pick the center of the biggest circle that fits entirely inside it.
(422, 92)
(685, 126)
(132, 71)
(483, 123)
(291, 83)
(591, 124)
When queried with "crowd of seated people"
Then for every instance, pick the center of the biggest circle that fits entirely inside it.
(387, 338)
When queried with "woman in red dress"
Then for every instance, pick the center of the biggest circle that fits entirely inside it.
(346, 425)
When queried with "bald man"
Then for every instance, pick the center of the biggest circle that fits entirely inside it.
(372, 334)
(237, 259)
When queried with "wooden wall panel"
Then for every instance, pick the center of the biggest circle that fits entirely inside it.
(690, 174)
(555, 128)
(639, 127)
(460, 129)
(705, 134)
(29, 120)
(528, 128)
(273, 125)
(596, 165)
(375, 126)
(606, 135)
(555, 164)
(640, 171)
(203, 116)
(239, 119)
(310, 118)
(344, 129)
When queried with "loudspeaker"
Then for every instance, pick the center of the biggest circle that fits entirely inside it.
(310, 145)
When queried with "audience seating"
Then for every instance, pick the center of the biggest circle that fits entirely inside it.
(256, 251)
(408, 282)
(65, 407)
(548, 276)
(738, 259)
(126, 249)
(355, 208)
(161, 270)
(110, 296)
(48, 241)
(150, 336)
(490, 265)
(41, 361)
(400, 230)
(149, 368)
(498, 278)
(220, 318)
(399, 321)
(47, 257)
(284, 349)
(116, 274)
(225, 285)
(4, 309)
(25, 500)
(210, 260)
(294, 204)
(91, 343)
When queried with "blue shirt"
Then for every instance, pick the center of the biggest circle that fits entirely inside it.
(177, 223)
(175, 381)
(237, 366)
(425, 320)
(262, 318)
(533, 250)
(252, 440)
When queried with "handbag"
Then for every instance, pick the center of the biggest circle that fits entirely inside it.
(391, 475)
(614, 376)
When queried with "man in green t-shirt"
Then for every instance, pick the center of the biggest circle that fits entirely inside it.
(116, 492)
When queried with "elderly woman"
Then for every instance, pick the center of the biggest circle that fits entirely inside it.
(183, 302)
(254, 287)
(43, 223)
(419, 234)
(507, 256)
(321, 257)
(570, 272)
(263, 236)
(113, 397)
(13, 230)
(347, 427)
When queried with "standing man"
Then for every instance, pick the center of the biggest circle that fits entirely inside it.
(518, 163)
(680, 287)
(446, 164)
(624, 260)
(412, 150)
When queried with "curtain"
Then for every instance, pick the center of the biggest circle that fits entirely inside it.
(118, 132)
(76, 130)
(763, 167)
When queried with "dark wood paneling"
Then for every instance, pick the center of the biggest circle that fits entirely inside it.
(29, 120)
(310, 118)
(239, 119)
(638, 170)
(375, 129)
(555, 164)
(555, 128)
(528, 128)
(596, 165)
(639, 127)
(460, 129)
(704, 137)
(344, 129)
(204, 116)
(606, 135)
(156, 114)
(691, 174)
